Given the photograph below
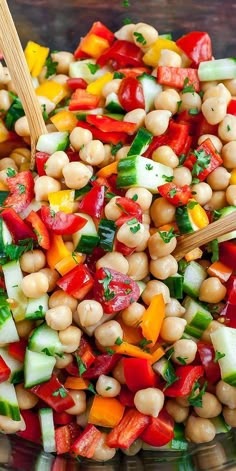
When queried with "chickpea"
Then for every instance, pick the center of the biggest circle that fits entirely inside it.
(33, 261)
(212, 290)
(7, 162)
(134, 448)
(172, 329)
(112, 211)
(158, 248)
(202, 193)
(167, 101)
(109, 158)
(146, 219)
(55, 164)
(174, 309)
(136, 116)
(154, 287)
(22, 127)
(52, 277)
(45, 185)
(79, 398)
(157, 121)
(219, 179)
(24, 327)
(138, 266)
(34, 285)
(122, 153)
(229, 416)
(190, 100)
(162, 212)
(76, 175)
(198, 430)
(114, 260)
(8, 425)
(169, 58)
(149, 401)
(131, 234)
(149, 34)
(59, 317)
(217, 201)
(107, 333)
(212, 327)
(82, 419)
(5, 100)
(70, 338)
(144, 197)
(93, 152)
(214, 109)
(118, 372)
(182, 176)
(133, 314)
(227, 128)
(219, 91)
(20, 155)
(111, 87)
(26, 399)
(64, 361)
(79, 137)
(143, 244)
(182, 401)
(230, 84)
(226, 394)
(231, 195)
(89, 312)
(185, 349)
(229, 155)
(179, 414)
(63, 59)
(59, 298)
(214, 139)
(126, 32)
(103, 452)
(211, 407)
(163, 267)
(166, 156)
(107, 386)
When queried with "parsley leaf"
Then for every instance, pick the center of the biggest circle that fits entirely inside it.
(51, 67)
(191, 204)
(110, 351)
(110, 195)
(195, 181)
(214, 247)
(108, 388)
(116, 147)
(118, 75)
(218, 356)
(47, 352)
(140, 38)
(182, 360)
(60, 392)
(14, 252)
(169, 353)
(21, 188)
(10, 172)
(202, 162)
(135, 229)
(196, 400)
(44, 112)
(127, 21)
(169, 375)
(122, 208)
(182, 158)
(228, 127)
(148, 167)
(135, 197)
(172, 192)
(108, 294)
(93, 68)
(118, 341)
(39, 311)
(167, 235)
(143, 343)
(81, 366)
(126, 3)
(91, 388)
(188, 88)
(168, 179)
(193, 111)
(179, 103)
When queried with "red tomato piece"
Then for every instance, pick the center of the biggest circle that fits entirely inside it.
(102, 365)
(61, 223)
(122, 54)
(21, 188)
(160, 431)
(176, 195)
(17, 349)
(40, 160)
(106, 137)
(4, 370)
(77, 82)
(130, 94)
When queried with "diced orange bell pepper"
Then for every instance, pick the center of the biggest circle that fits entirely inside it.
(57, 250)
(108, 170)
(94, 45)
(157, 353)
(153, 318)
(54, 91)
(130, 334)
(72, 382)
(64, 120)
(130, 350)
(220, 270)
(106, 412)
(69, 262)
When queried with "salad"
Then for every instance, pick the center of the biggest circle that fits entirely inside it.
(107, 342)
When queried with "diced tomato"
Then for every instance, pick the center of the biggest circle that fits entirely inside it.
(227, 252)
(126, 397)
(21, 188)
(130, 94)
(231, 108)
(82, 100)
(122, 248)
(77, 282)
(65, 437)
(39, 229)
(176, 195)
(134, 72)
(85, 352)
(107, 124)
(62, 418)
(160, 430)
(61, 223)
(4, 370)
(177, 77)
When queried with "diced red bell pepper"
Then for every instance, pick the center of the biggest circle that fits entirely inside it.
(54, 394)
(207, 355)
(85, 352)
(99, 29)
(204, 127)
(39, 229)
(106, 137)
(4, 370)
(157, 141)
(176, 77)
(160, 431)
(134, 71)
(77, 282)
(65, 436)
(205, 149)
(72, 155)
(40, 160)
(122, 248)
(130, 94)
(192, 120)
(17, 227)
(86, 443)
(114, 290)
(122, 54)
(107, 124)
(130, 210)
(77, 82)
(187, 146)
(231, 289)
(197, 46)
(187, 376)
(128, 430)
(62, 418)
(227, 253)
(175, 137)
(21, 188)
(145, 378)
(126, 397)
(32, 431)
(176, 195)
(83, 100)
(102, 365)
(231, 108)
(61, 223)
(228, 315)
(17, 349)
(92, 202)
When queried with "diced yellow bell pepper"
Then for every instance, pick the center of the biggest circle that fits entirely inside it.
(198, 216)
(36, 56)
(52, 90)
(57, 251)
(233, 177)
(96, 87)
(4, 133)
(64, 120)
(62, 200)
(66, 264)
(94, 45)
(152, 56)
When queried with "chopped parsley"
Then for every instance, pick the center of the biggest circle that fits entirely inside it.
(118, 341)
(10, 172)
(228, 128)
(108, 294)
(182, 158)
(122, 208)
(193, 111)
(110, 351)
(182, 360)
(218, 356)
(143, 343)
(47, 352)
(108, 388)
(135, 197)
(127, 21)
(39, 311)
(21, 188)
(91, 388)
(110, 195)
(214, 247)
(188, 87)
(93, 68)
(81, 366)
(169, 353)
(168, 179)
(148, 167)
(14, 252)
(179, 103)
(202, 162)
(126, 3)
(73, 254)
(140, 38)
(132, 221)
(60, 392)
(191, 204)
(118, 75)
(195, 181)
(51, 67)
(115, 148)
(172, 192)
(135, 228)
(167, 235)
(44, 112)
(196, 400)
(170, 375)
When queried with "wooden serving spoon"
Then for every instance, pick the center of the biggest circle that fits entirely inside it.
(17, 65)
(188, 242)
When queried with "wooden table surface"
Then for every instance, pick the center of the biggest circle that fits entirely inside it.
(60, 23)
